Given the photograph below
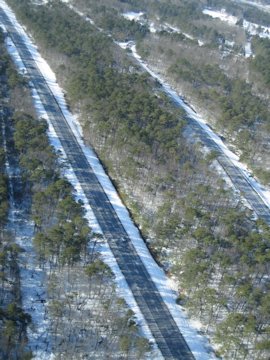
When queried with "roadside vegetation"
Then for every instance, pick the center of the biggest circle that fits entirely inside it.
(13, 320)
(195, 226)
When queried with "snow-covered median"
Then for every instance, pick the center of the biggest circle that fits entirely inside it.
(197, 343)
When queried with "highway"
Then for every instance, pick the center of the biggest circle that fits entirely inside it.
(237, 177)
(160, 321)
(239, 180)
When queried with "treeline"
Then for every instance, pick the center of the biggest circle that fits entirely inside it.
(62, 233)
(121, 28)
(243, 11)
(187, 16)
(224, 281)
(221, 259)
(240, 107)
(13, 320)
(189, 216)
(111, 20)
(119, 100)
(260, 63)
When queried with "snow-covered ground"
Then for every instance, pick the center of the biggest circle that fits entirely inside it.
(262, 191)
(136, 16)
(255, 29)
(153, 28)
(174, 29)
(248, 50)
(251, 28)
(197, 343)
(222, 15)
(256, 4)
(32, 277)
(33, 289)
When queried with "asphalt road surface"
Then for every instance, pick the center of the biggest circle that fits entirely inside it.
(237, 177)
(239, 180)
(161, 323)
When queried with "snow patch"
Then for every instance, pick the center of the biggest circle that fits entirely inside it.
(248, 50)
(222, 15)
(152, 28)
(200, 42)
(131, 15)
(251, 28)
(255, 29)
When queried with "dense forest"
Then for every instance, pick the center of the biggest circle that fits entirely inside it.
(13, 320)
(212, 76)
(196, 227)
(216, 84)
(260, 63)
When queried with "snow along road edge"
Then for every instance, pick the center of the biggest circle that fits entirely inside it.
(197, 343)
(103, 248)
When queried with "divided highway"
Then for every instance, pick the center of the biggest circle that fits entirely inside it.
(160, 321)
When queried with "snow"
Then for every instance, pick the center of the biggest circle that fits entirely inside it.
(248, 50)
(251, 28)
(175, 29)
(152, 28)
(255, 29)
(262, 191)
(32, 278)
(33, 292)
(196, 342)
(229, 43)
(259, 5)
(172, 28)
(222, 15)
(131, 15)
(104, 249)
(200, 42)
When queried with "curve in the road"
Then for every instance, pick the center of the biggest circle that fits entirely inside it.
(160, 321)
